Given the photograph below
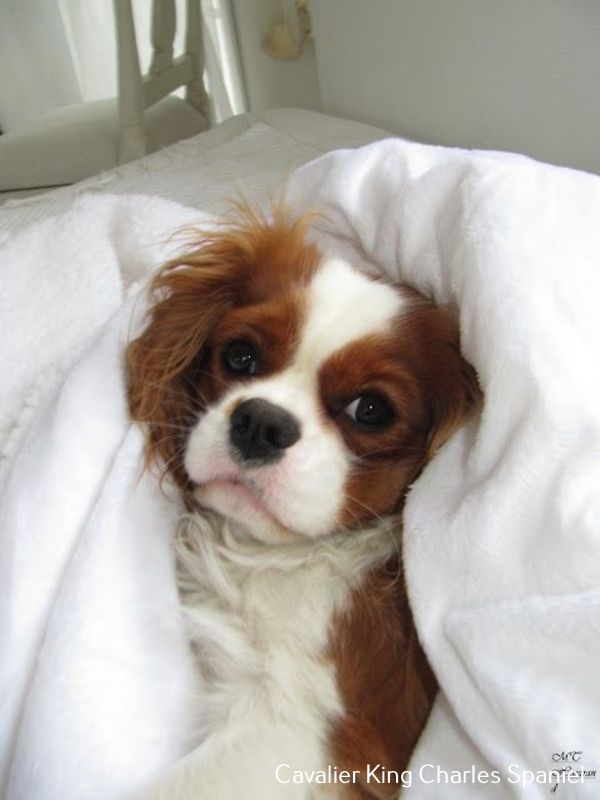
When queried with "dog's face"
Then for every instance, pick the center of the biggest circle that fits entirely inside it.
(289, 392)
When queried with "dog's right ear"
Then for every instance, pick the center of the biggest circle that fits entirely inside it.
(188, 297)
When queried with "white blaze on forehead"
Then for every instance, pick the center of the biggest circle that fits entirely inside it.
(343, 306)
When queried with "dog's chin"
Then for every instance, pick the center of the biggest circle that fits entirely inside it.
(239, 503)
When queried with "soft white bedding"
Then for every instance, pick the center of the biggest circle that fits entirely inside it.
(501, 545)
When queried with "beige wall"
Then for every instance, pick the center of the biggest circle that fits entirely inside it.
(519, 75)
(269, 82)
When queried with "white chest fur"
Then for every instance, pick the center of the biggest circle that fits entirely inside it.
(259, 617)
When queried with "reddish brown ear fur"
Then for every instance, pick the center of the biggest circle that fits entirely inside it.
(453, 388)
(455, 391)
(429, 340)
(243, 262)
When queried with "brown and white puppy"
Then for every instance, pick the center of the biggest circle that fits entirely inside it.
(293, 400)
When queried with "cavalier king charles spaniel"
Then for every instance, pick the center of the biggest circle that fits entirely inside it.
(293, 400)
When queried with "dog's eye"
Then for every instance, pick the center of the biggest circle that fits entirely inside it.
(240, 358)
(370, 411)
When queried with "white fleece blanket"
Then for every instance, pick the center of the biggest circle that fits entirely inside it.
(502, 544)
(97, 692)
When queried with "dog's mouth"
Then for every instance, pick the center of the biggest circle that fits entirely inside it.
(239, 498)
(240, 490)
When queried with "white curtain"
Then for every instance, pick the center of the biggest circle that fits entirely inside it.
(62, 52)
(223, 65)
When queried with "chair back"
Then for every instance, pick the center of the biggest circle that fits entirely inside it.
(137, 92)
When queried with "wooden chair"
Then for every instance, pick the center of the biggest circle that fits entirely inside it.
(166, 74)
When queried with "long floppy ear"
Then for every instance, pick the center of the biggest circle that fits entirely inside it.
(455, 393)
(189, 295)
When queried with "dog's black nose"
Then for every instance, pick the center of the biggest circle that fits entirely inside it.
(260, 431)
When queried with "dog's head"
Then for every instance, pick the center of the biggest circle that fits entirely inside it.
(288, 391)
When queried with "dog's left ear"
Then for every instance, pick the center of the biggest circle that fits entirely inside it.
(454, 389)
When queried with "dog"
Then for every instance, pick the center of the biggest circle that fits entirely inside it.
(293, 400)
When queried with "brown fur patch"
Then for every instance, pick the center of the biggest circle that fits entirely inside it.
(384, 680)
(418, 368)
(248, 261)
